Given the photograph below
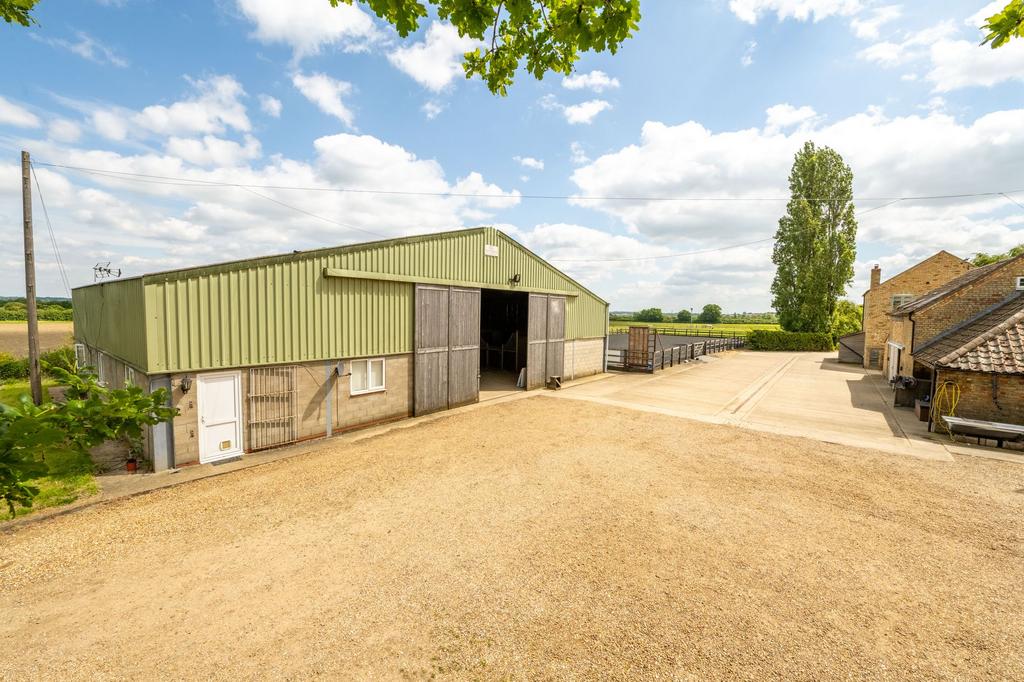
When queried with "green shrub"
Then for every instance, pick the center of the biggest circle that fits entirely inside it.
(12, 368)
(61, 358)
(763, 339)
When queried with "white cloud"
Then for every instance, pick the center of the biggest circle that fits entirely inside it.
(978, 19)
(215, 107)
(584, 112)
(748, 54)
(143, 226)
(925, 155)
(17, 115)
(529, 162)
(784, 116)
(801, 10)
(579, 249)
(271, 106)
(577, 154)
(214, 151)
(63, 130)
(432, 109)
(437, 61)
(960, 64)
(598, 81)
(951, 63)
(86, 47)
(110, 125)
(914, 46)
(326, 93)
(868, 27)
(307, 26)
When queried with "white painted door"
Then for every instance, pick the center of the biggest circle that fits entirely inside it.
(894, 361)
(220, 416)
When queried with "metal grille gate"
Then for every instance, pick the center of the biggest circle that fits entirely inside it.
(272, 407)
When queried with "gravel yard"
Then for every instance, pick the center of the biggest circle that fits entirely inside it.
(575, 540)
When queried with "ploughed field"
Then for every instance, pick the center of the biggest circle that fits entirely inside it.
(14, 336)
(537, 538)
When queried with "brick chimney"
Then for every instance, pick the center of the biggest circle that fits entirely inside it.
(876, 276)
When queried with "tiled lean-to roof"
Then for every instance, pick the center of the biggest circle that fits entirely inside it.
(992, 342)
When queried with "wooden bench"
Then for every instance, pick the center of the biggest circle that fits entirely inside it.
(979, 429)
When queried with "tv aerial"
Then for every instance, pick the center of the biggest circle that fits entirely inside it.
(102, 271)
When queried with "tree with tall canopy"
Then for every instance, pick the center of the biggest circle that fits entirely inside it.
(816, 242)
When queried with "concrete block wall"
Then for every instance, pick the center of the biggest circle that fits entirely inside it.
(319, 392)
(918, 280)
(967, 303)
(584, 357)
(991, 397)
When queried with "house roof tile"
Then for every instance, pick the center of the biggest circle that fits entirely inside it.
(992, 342)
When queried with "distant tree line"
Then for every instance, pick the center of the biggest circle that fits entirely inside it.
(13, 310)
(709, 314)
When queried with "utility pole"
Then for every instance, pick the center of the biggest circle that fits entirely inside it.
(30, 283)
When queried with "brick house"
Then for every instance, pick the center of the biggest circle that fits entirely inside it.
(940, 313)
(884, 297)
(984, 359)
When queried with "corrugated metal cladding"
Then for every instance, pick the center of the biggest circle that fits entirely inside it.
(283, 309)
(110, 316)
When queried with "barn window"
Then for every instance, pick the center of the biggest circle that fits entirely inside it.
(367, 376)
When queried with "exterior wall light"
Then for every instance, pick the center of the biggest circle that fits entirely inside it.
(186, 383)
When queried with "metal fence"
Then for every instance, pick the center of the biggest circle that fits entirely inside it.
(646, 361)
(684, 331)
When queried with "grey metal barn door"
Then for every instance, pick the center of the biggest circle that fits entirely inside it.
(537, 342)
(556, 337)
(447, 345)
(431, 383)
(463, 346)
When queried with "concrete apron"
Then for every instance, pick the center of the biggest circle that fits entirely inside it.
(793, 394)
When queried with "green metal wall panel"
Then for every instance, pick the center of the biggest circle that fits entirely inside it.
(110, 316)
(283, 309)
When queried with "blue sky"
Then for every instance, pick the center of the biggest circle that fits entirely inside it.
(708, 101)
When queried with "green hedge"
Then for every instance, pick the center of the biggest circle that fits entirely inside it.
(763, 339)
(12, 368)
(48, 313)
(16, 369)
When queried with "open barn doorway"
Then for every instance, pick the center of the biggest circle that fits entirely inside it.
(503, 323)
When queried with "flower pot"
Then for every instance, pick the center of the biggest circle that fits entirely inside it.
(131, 466)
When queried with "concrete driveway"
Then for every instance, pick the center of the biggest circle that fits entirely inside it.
(798, 394)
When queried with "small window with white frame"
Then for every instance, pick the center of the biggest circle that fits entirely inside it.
(901, 299)
(367, 376)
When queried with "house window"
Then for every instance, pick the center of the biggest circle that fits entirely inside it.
(901, 299)
(367, 376)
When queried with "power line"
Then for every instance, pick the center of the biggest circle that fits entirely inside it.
(53, 237)
(695, 253)
(193, 182)
(314, 215)
(1012, 200)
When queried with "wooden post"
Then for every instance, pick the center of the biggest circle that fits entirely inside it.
(35, 380)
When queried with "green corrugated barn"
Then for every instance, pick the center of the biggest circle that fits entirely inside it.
(268, 351)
